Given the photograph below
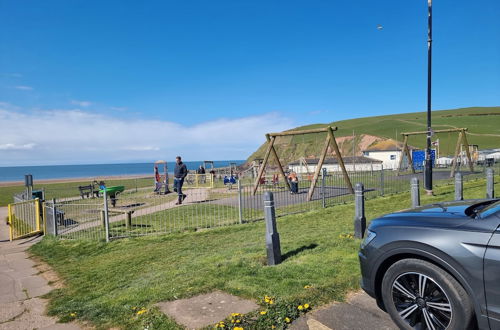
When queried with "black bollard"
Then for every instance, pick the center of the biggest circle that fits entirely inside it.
(359, 213)
(272, 236)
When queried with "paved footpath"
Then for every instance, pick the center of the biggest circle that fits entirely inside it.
(359, 312)
(21, 285)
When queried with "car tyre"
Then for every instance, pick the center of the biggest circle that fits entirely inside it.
(419, 295)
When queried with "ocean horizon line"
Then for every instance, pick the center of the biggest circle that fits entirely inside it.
(49, 172)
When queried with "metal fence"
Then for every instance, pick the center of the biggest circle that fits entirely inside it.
(24, 219)
(142, 211)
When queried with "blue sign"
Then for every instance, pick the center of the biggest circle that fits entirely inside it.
(418, 158)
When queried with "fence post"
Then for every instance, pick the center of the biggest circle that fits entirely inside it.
(323, 194)
(272, 236)
(490, 184)
(359, 205)
(240, 202)
(459, 187)
(54, 216)
(10, 222)
(382, 181)
(128, 223)
(106, 214)
(415, 192)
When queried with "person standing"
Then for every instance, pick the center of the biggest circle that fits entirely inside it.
(180, 172)
(294, 183)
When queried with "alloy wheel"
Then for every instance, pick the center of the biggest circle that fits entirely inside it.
(421, 302)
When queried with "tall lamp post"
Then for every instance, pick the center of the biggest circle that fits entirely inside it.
(428, 158)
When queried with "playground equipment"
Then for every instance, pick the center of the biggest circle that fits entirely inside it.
(205, 165)
(329, 141)
(159, 183)
(229, 181)
(461, 141)
(112, 192)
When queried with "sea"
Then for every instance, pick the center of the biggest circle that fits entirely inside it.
(16, 173)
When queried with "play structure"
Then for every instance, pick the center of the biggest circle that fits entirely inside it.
(329, 141)
(161, 182)
(461, 142)
(112, 192)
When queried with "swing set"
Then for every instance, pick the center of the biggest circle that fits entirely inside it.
(329, 141)
(461, 140)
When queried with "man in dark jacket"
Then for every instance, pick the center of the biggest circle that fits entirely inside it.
(180, 172)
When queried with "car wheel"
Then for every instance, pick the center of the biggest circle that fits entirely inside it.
(420, 295)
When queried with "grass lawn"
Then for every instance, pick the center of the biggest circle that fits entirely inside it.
(107, 283)
(69, 189)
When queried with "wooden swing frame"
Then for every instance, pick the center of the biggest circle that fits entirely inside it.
(330, 140)
(461, 140)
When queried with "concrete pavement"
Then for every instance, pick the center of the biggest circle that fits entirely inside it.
(21, 285)
(359, 312)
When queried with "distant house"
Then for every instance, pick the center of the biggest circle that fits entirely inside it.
(389, 152)
(357, 163)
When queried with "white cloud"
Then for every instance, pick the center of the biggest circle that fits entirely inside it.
(82, 104)
(24, 88)
(76, 136)
(11, 146)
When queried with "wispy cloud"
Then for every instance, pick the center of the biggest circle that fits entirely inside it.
(82, 104)
(11, 146)
(24, 88)
(76, 136)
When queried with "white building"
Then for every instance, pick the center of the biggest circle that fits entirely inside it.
(389, 152)
(352, 164)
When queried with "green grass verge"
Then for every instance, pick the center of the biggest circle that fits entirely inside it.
(69, 189)
(107, 283)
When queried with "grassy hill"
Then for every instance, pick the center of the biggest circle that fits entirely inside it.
(483, 124)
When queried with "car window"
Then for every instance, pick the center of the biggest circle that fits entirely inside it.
(491, 209)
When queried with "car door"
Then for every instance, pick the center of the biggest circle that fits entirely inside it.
(492, 278)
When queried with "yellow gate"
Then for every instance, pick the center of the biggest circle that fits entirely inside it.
(24, 219)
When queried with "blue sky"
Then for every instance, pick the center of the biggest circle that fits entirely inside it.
(131, 65)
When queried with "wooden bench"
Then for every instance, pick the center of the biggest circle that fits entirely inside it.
(88, 191)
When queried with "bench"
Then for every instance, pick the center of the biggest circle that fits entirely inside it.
(88, 191)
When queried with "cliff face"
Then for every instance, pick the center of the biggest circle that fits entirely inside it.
(355, 135)
(310, 146)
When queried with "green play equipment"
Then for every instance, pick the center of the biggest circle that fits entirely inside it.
(112, 192)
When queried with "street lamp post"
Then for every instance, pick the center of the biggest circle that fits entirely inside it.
(428, 159)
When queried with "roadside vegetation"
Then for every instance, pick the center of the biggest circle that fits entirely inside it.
(118, 284)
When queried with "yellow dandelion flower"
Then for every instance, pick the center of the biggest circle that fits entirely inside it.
(238, 321)
(287, 320)
(273, 326)
(300, 307)
(72, 314)
(307, 286)
(271, 302)
(263, 312)
(306, 306)
(238, 328)
(142, 311)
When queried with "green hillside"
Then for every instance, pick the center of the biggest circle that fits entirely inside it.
(483, 124)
